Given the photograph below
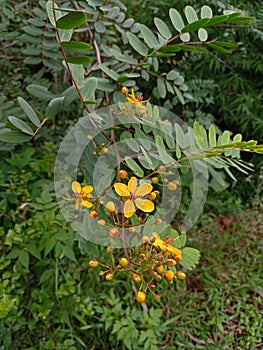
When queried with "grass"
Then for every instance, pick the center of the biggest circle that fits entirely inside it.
(220, 305)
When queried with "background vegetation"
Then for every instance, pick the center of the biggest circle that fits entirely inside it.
(49, 299)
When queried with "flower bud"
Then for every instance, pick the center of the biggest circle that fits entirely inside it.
(145, 239)
(132, 229)
(162, 169)
(157, 276)
(109, 250)
(93, 214)
(157, 298)
(172, 186)
(181, 275)
(102, 222)
(135, 277)
(101, 273)
(110, 207)
(93, 263)
(113, 232)
(124, 90)
(123, 262)
(155, 180)
(109, 276)
(152, 196)
(160, 269)
(158, 221)
(171, 262)
(123, 174)
(90, 137)
(140, 297)
(169, 275)
(105, 150)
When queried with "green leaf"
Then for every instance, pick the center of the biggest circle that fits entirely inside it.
(162, 150)
(148, 159)
(76, 45)
(29, 112)
(190, 14)
(206, 12)
(212, 135)
(190, 258)
(79, 60)
(78, 73)
(40, 92)
(111, 73)
(216, 20)
(137, 44)
(21, 125)
(176, 20)
(134, 167)
(218, 48)
(24, 258)
(72, 20)
(68, 252)
(54, 107)
(149, 37)
(89, 88)
(162, 28)
(225, 138)
(185, 37)
(161, 88)
(226, 44)
(13, 136)
(179, 95)
(202, 34)
(195, 25)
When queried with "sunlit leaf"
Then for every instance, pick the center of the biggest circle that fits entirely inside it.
(71, 20)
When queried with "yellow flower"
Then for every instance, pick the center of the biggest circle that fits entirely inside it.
(82, 195)
(132, 195)
(164, 247)
(138, 101)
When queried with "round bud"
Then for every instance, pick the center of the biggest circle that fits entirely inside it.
(162, 169)
(160, 269)
(136, 278)
(171, 262)
(145, 239)
(102, 222)
(101, 273)
(93, 263)
(93, 214)
(113, 232)
(156, 192)
(109, 250)
(142, 255)
(140, 297)
(172, 186)
(181, 275)
(124, 90)
(105, 150)
(169, 275)
(123, 174)
(158, 221)
(157, 298)
(152, 196)
(77, 300)
(110, 207)
(132, 230)
(109, 276)
(90, 137)
(155, 180)
(123, 262)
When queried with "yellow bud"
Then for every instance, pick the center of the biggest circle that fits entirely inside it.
(102, 222)
(171, 262)
(101, 273)
(162, 169)
(93, 263)
(123, 262)
(109, 276)
(169, 275)
(152, 196)
(181, 275)
(110, 207)
(90, 137)
(155, 180)
(160, 269)
(157, 193)
(140, 297)
(109, 250)
(93, 214)
(158, 221)
(124, 90)
(136, 278)
(157, 298)
(123, 174)
(132, 230)
(145, 239)
(172, 186)
(105, 150)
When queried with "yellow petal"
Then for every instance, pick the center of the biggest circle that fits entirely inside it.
(143, 189)
(77, 204)
(122, 190)
(86, 204)
(76, 188)
(132, 184)
(144, 204)
(87, 189)
(129, 208)
(110, 207)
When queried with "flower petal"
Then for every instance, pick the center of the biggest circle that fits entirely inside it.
(143, 189)
(129, 208)
(76, 187)
(144, 204)
(86, 204)
(122, 189)
(87, 189)
(132, 184)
